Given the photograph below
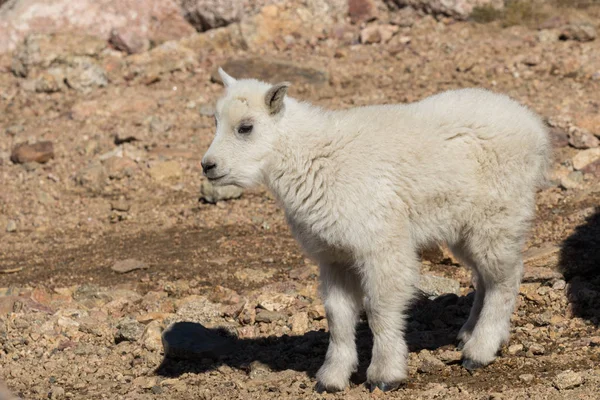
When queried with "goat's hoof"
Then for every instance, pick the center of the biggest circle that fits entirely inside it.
(321, 388)
(383, 386)
(472, 365)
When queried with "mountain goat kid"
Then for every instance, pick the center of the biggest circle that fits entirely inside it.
(365, 188)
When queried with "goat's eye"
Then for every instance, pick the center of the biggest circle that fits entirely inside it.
(245, 129)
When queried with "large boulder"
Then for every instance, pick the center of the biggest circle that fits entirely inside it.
(132, 25)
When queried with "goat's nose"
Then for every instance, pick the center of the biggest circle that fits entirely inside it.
(207, 165)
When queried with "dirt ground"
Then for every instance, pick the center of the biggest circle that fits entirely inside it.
(124, 184)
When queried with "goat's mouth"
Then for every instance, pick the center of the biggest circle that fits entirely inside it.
(215, 179)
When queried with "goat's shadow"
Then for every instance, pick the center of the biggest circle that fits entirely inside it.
(579, 262)
(191, 347)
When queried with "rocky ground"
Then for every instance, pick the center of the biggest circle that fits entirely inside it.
(124, 276)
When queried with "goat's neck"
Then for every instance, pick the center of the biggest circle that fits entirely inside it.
(293, 171)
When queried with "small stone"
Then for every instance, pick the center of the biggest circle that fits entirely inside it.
(567, 380)
(586, 157)
(361, 10)
(559, 137)
(158, 125)
(275, 302)
(537, 349)
(129, 40)
(581, 139)
(120, 167)
(257, 369)
(40, 152)
(545, 255)
(429, 363)
(212, 194)
(526, 378)
(129, 330)
(432, 285)
(515, 348)
(559, 285)
(120, 205)
(92, 178)
(151, 338)
(299, 322)
(166, 171)
(14, 130)
(56, 393)
(128, 265)
(450, 356)
(269, 316)
(11, 226)
(574, 180)
(582, 32)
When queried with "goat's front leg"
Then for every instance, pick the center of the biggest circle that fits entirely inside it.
(342, 296)
(389, 281)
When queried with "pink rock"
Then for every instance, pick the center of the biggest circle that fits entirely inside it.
(154, 21)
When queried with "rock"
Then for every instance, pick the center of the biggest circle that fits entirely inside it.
(148, 67)
(586, 157)
(545, 255)
(273, 71)
(84, 74)
(209, 14)
(540, 274)
(537, 349)
(120, 167)
(459, 9)
(275, 302)
(11, 226)
(592, 169)
(258, 370)
(157, 125)
(129, 40)
(14, 130)
(213, 194)
(269, 316)
(254, 275)
(154, 21)
(166, 171)
(428, 363)
(560, 284)
(405, 17)
(582, 32)
(450, 356)
(56, 392)
(120, 205)
(526, 378)
(92, 178)
(567, 380)
(432, 285)
(189, 340)
(129, 330)
(151, 338)
(590, 122)
(515, 348)
(574, 180)
(581, 139)
(299, 322)
(361, 10)
(377, 33)
(128, 265)
(40, 152)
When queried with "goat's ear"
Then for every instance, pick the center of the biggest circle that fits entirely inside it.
(227, 79)
(274, 97)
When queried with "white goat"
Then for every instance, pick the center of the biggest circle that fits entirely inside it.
(363, 189)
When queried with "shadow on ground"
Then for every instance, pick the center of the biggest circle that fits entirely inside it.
(191, 347)
(580, 264)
